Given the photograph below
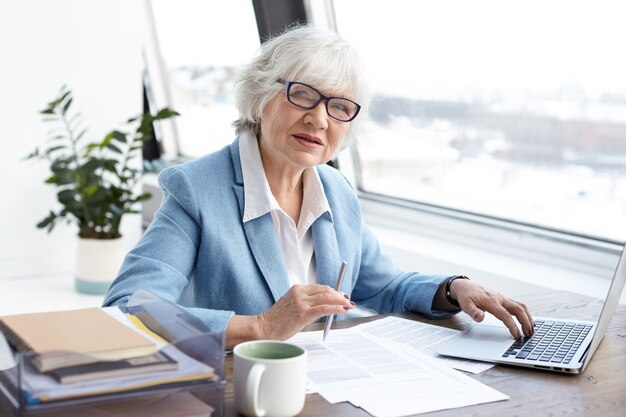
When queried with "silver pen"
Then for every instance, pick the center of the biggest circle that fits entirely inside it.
(329, 319)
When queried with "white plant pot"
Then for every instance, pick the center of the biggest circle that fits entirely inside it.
(97, 264)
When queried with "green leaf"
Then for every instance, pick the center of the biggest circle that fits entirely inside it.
(67, 105)
(47, 222)
(55, 148)
(166, 113)
(110, 165)
(33, 154)
(143, 197)
(52, 180)
(65, 178)
(114, 148)
(91, 190)
(107, 139)
(80, 135)
(63, 97)
(61, 163)
(98, 197)
(67, 196)
(119, 136)
(93, 164)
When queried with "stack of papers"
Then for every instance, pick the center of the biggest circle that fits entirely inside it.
(384, 377)
(73, 337)
(172, 366)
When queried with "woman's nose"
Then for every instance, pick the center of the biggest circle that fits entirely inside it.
(317, 116)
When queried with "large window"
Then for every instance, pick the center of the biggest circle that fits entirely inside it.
(201, 44)
(515, 110)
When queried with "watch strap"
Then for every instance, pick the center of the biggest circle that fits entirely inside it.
(448, 294)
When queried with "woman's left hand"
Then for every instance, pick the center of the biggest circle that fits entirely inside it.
(475, 299)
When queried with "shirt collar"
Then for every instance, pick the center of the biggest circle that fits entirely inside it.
(258, 198)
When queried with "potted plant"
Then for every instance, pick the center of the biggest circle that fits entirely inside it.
(96, 186)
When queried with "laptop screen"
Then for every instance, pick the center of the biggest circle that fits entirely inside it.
(612, 299)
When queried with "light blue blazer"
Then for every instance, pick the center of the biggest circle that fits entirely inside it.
(198, 253)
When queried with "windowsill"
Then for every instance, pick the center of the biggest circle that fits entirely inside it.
(510, 271)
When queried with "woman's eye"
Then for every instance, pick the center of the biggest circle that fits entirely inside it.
(302, 94)
(340, 107)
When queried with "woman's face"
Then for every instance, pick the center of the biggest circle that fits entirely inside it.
(299, 137)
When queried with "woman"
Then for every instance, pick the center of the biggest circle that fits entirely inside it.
(250, 238)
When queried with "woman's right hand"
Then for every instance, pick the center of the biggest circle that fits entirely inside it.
(301, 305)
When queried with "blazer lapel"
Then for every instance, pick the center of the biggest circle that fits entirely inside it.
(261, 237)
(327, 256)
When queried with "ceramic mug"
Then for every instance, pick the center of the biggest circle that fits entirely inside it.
(269, 378)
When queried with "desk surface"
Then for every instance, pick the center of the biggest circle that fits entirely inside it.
(599, 391)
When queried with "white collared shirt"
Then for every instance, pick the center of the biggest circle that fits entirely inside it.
(295, 241)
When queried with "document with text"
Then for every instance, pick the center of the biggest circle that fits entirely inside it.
(380, 377)
(426, 338)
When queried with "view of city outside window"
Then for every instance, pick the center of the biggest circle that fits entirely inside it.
(515, 110)
(203, 43)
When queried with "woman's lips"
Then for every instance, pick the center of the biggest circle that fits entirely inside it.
(308, 140)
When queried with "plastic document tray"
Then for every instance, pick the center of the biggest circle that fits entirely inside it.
(195, 388)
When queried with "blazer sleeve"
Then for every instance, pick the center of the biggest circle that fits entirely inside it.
(164, 259)
(384, 287)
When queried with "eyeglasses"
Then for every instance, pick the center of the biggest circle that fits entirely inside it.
(306, 97)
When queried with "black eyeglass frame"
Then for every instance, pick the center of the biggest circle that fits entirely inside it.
(327, 99)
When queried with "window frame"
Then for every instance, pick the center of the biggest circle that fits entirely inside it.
(532, 242)
(498, 235)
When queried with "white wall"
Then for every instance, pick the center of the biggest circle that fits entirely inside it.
(94, 47)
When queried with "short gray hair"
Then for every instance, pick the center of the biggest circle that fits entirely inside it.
(307, 54)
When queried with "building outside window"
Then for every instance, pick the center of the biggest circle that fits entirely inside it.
(514, 110)
(201, 46)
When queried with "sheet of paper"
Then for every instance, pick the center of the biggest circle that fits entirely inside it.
(380, 377)
(426, 338)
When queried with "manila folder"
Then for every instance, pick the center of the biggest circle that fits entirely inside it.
(73, 337)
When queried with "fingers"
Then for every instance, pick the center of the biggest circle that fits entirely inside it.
(502, 314)
(506, 308)
(476, 300)
(474, 312)
(522, 313)
(301, 305)
(327, 310)
(321, 295)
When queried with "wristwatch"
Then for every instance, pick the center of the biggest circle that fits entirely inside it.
(449, 297)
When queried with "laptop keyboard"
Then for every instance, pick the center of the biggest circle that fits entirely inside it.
(552, 341)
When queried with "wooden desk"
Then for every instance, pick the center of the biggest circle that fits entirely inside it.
(599, 391)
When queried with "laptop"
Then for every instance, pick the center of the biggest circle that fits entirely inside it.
(559, 345)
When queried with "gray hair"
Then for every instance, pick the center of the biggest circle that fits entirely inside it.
(307, 54)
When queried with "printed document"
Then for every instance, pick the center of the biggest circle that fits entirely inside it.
(426, 338)
(382, 378)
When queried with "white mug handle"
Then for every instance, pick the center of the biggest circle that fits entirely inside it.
(252, 385)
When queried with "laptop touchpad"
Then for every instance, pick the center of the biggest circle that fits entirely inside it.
(487, 334)
(479, 342)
